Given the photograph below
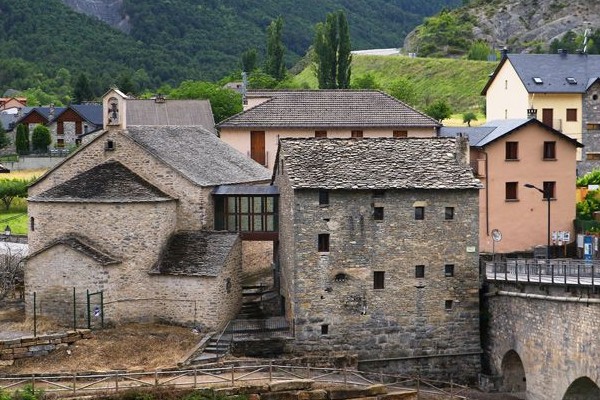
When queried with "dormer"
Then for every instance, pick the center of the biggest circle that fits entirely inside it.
(114, 106)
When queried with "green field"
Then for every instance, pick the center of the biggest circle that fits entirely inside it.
(16, 216)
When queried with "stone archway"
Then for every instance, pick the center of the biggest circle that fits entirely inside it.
(582, 389)
(513, 374)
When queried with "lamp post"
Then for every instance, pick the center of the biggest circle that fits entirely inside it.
(546, 195)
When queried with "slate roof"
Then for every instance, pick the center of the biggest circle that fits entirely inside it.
(491, 131)
(43, 111)
(170, 112)
(107, 182)
(329, 108)
(89, 112)
(81, 246)
(198, 154)
(195, 253)
(374, 163)
(553, 70)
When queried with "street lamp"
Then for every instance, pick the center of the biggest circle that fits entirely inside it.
(546, 195)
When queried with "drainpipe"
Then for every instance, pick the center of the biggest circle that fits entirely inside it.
(487, 195)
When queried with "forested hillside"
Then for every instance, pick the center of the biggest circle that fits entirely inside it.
(46, 45)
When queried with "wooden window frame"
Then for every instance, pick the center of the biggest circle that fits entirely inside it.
(378, 280)
(512, 151)
(400, 134)
(571, 115)
(321, 134)
(549, 150)
(356, 134)
(549, 187)
(511, 192)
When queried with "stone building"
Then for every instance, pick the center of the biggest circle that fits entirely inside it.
(130, 214)
(378, 252)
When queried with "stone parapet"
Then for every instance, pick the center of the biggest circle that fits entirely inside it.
(35, 346)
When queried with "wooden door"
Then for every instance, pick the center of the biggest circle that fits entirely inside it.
(257, 146)
(547, 116)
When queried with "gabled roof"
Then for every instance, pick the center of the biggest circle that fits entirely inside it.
(88, 112)
(107, 182)
(195, 253)
(82, 246)
(491, 131)
(374, 163)
(329, 108)
(155, 112)
(552, 73)
(44, 112)
(198, 154)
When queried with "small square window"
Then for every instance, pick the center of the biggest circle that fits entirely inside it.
(448, 304)
(400, 134)
(419, 271)
(449, 270)
(378, 213)
(323, 242)
(356, 134)
(325, 329)
(549, 190)
(323, 197)
(320, 133)
(419, 212)
(512, 150)
(378, 279)
(571, 114)
(449, 213)
(549, 150)
(538, 80)
(511, 191)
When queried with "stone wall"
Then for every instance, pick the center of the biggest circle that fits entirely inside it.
(555, 339)
(590, 137)
(331, 297)
(31, 346)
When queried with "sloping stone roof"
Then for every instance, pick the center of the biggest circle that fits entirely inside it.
(195, 253)
(170, 112)
(81, 246)
(553, 71)
(374, 163)
(198, 154)
(107, 182)
(329, 108)
(89, 112)
(493, 130)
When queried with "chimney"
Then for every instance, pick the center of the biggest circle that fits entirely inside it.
(532, 113)
(503, 53)
(51, 112)
(562, 52)
(462, 149)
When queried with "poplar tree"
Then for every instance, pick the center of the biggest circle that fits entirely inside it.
(22, 139)
(332, 57)
(274, 64)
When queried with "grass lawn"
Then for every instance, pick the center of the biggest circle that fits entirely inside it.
(16, 216)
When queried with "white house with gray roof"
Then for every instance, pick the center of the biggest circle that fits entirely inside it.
(378, 252)
(271, 115)
(130, 214)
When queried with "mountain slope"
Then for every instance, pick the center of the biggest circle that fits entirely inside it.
(520, 25)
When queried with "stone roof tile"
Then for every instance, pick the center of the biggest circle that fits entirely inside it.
(375, 163)
(329, 108)
(82, 246)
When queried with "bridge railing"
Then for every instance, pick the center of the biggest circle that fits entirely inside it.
(556, 271)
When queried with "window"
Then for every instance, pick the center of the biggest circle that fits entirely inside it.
(549, 150)
(419, 271)
(538, 80)
(378, 213)
(449, 213)
(78, 128)
(378, 279)
(550, 190)
(32, 224)
(571, 114)
(60, 143)
(512, 150)
(323, 197)
(592, 156)
(109, 145)
(60, 128)
(320, 133)
(511, 191)
(505, 84)
(246, 213)
(419, 212)
(356, 134)
(323, 242)
(400, 134)
(448, 304)
(325, 329)
(593, 126)
(571, 80)
(449, 270)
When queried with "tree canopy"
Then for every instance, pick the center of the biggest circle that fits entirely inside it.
(41, 139)
(332, 57)
(274, 64)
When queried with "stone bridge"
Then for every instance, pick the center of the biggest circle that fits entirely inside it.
(541, 329)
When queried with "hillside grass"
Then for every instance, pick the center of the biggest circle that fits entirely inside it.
(16, 216)
(457, 81)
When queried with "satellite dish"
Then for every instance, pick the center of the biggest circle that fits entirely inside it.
(496, 235)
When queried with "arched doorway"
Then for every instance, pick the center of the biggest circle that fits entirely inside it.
(513, 374)
(582, 389)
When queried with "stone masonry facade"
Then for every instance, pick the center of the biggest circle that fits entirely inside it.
(428, 324)
(591, 130)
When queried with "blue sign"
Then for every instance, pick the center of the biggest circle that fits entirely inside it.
(588, 247)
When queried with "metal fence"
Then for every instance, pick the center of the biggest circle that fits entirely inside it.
(563, 271)
(229, 376)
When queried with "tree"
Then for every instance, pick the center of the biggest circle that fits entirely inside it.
(82, 91)
(479, 50)
(248, 60)
(12, 274)
(365, 81)
(41, 139)
(468, 117)
(332, 57)
(224, 102)
(439, 110)
(11, 188)
(404, 90)
(4, 139)
(22, 139)
(274, 64)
